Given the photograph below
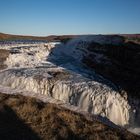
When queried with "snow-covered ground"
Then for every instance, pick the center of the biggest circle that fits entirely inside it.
(55, 70)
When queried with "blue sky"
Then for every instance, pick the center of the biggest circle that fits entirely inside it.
(47, 17)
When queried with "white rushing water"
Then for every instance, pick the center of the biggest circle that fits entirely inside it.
(54, 70)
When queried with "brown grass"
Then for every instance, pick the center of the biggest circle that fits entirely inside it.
(29, 118)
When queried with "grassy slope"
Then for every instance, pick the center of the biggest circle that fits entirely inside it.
(28, 118)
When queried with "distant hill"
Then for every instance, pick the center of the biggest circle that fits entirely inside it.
(63, 38)
(132, 37)
(48, 38)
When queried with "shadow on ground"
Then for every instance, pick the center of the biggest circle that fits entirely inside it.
(13, 128)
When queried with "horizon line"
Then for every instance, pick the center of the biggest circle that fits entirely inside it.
(69, 34)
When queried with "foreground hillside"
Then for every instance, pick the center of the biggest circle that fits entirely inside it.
(28, 118)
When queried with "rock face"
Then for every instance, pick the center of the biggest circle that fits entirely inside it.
(59, 71)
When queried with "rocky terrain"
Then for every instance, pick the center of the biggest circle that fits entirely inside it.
(95, 74)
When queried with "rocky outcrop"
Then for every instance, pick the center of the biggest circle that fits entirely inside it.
(3, 56)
